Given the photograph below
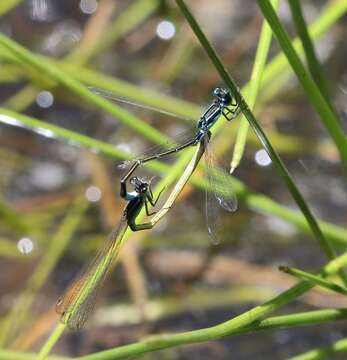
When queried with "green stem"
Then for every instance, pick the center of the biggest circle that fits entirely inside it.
(154, 342)
(311, 57)
(230, 327)
(328, 117)
(47, 347)
(325, 352)
(160, 342)
(253, 90)
(316, 279)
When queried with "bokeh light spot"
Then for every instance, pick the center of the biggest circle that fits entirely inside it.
(93, 194)
(166, 30)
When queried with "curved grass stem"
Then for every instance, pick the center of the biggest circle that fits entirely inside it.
(253, 90)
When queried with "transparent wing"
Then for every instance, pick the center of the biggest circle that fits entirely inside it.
(79, 299)
(219, 195)
(156, 150)
(109, 95)
(219, 182)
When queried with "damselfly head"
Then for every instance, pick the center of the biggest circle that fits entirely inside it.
(140, 185)
(223, 96)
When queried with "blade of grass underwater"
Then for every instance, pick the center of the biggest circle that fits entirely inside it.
(327, 116)
(79, 89)
(253, 90)
(258, 202)
(310, 53)
(325, 352)
(317, 280)
(281, 169)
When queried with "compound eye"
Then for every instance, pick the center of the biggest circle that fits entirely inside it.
(216, 92)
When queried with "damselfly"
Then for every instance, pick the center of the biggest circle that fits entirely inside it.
(223, 105)
(78, 301)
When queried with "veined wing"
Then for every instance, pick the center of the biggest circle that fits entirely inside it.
(109, 95)
(78, 301)
(220, 193)
(156, 151)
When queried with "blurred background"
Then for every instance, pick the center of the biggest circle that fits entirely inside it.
(59, 201)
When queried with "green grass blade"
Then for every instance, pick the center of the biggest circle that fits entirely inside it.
(253, 90)
(280, 167)
(318, 280)
(330, 15)
(54, 73)
(165, 341)
(311, 57)
(325, 352)
(327, 116)
(47, 347)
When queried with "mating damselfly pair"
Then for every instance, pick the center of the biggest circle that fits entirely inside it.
(77, 302)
